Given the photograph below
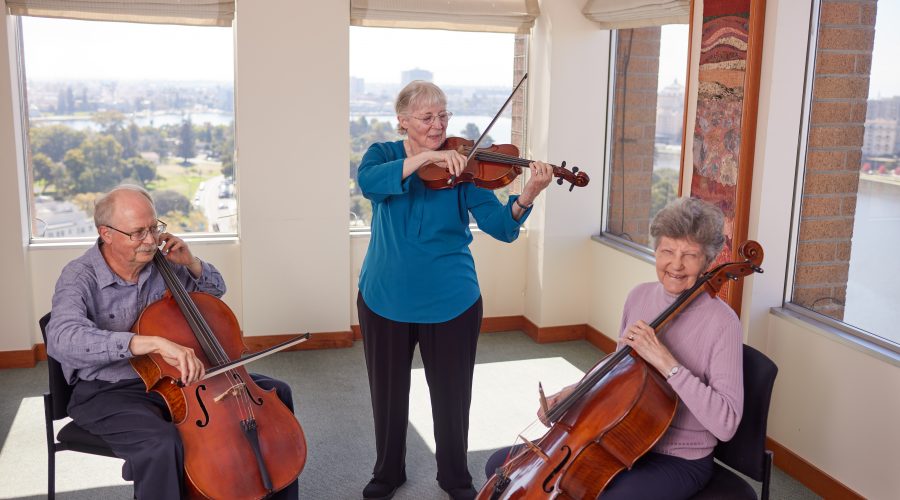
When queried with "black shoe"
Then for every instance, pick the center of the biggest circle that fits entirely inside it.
(377, 490)
(466, 493)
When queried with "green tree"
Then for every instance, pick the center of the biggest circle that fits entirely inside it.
(42, 168)
(55, 140)
(187, 139)
(167, 201)
(472, 133)
(664, 188)
(139, 168)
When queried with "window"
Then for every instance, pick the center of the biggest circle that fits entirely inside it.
(844, 270)
(146, 104)
(646, 127)
(476, 88)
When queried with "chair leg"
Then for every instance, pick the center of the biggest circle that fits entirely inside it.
(767, 476)
(51, 446)
(51, 476)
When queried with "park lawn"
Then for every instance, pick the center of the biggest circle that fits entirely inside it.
(185, 180)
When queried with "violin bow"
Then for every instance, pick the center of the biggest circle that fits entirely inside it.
(488, 128)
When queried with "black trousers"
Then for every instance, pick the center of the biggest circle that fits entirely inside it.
(137, 426)
(448, 355)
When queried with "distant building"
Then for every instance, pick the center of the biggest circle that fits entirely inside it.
(60, 219)
(357, 86)
(880, 137)
(415, 74)
(670, 114)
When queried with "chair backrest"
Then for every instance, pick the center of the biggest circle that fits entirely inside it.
(746, 451)
(60, 390)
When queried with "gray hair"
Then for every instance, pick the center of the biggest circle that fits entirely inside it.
(692, 219)
(104, 207)
(417, 93)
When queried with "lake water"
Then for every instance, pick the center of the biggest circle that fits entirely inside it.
(142, 120)
(872, 291)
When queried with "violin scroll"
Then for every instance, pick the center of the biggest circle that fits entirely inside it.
(574, 177)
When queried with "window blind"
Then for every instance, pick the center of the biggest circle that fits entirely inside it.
(189, 12)
(504, 16)
(625, 14)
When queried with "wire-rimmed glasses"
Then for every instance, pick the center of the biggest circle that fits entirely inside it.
(142, 233)
(429, 119)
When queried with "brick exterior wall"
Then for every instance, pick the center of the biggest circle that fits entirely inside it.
(633, 133)
(834, 153)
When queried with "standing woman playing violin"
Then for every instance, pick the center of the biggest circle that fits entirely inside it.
(699, 353)
(418, 286)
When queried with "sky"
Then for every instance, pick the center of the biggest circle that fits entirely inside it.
(673, 53)
(885, 81)
(60, 48)
(379, 55)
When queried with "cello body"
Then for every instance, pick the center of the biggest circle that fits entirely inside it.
(619, 420)
(237, 437)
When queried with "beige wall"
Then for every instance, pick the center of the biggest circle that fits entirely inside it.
(295, 267)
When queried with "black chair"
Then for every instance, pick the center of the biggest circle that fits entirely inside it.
(746, 452)
(71, 436)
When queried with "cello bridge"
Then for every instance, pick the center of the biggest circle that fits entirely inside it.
(230, 392)
(534, 448)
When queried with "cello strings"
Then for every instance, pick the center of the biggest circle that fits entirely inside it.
(202, 331)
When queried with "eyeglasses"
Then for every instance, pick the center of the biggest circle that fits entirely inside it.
(141, 234)
(429, 119)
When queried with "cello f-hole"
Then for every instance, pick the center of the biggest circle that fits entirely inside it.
(548, 482)
(205, 421)
(257, 402)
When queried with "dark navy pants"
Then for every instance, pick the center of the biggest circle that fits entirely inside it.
(653, 476)
(137, 426)
(448, 355)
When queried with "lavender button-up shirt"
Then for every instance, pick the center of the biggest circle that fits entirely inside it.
(94, 309)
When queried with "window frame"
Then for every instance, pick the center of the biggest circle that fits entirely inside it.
(863, 338)
(25, 158)
(643, 252)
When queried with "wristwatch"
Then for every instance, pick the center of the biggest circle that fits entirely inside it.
(673, 371)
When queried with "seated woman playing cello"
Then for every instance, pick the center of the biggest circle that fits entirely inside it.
(699, 354)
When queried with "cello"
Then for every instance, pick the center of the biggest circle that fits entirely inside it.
(615, 414)
(240, 441)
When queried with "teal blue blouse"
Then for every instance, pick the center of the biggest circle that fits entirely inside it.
(418, 268)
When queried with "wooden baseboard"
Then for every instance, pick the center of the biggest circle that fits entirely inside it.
(501, 324)
(25, 358)
(811, 476)
(321, 340)
(599, 340)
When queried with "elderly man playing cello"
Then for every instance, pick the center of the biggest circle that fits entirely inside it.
(97, 299)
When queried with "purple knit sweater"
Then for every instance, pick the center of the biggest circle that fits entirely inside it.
(706, 339)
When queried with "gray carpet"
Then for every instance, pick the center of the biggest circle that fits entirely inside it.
(332, 398)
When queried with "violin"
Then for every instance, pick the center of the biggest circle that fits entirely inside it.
(491, 168)
(240, 441)
(615, 414)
